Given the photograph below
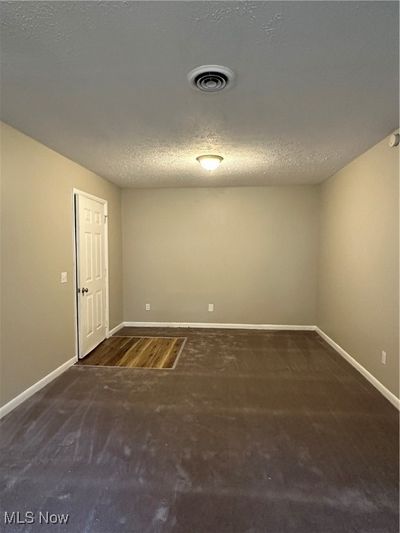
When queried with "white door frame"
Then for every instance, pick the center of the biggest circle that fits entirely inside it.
(76, 192)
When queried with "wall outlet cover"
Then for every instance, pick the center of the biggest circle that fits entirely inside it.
(147, 307)
(210, 308)
(64, 277)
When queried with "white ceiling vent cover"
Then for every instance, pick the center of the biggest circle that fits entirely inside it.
(211, 78)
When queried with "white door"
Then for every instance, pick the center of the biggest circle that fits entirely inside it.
(91, 272)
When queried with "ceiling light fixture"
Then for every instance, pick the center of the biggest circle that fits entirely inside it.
(209, 162)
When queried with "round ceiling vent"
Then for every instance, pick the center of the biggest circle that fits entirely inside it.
(210, 78)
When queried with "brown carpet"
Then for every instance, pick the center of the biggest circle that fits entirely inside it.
(253, 432)
(136, 352)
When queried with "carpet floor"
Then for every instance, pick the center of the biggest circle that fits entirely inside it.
(253, 432)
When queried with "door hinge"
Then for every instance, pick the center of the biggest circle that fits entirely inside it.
(105, 218)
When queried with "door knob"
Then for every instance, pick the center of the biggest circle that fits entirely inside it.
(84, 290)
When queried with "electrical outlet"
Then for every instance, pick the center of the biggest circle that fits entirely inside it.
(210, 308)
(147, 307)
(64, 277)
(383, 357)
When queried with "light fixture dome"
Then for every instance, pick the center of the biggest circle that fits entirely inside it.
(209, 162)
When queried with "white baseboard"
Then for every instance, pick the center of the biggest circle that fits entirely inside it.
(375, 382)
(283, 327)
(12, 404)
(112, 331)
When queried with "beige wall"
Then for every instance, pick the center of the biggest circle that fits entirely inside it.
(37, 333)
(250, 251)
(358, 304)
(323, 255)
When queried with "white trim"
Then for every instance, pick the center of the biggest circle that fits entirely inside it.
(90, 196)
(74, 280)
(12, 404)
(78, 192)
(375, 382)
(112, 331)
(214, 325)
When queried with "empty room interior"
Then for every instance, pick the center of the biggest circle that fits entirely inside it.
(199, 266)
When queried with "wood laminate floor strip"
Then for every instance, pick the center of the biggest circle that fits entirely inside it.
(136, 352)
(169, 356)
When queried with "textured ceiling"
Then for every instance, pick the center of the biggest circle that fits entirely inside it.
(104, 83)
